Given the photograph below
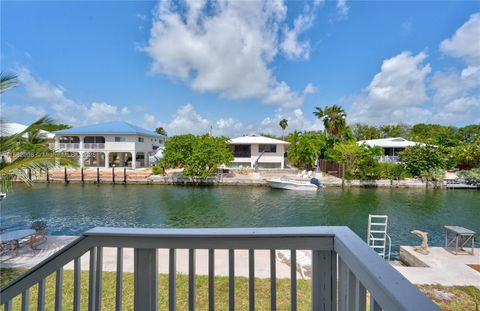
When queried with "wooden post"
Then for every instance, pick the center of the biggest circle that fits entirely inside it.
(48, 178)
(125, 175)
(98, 175)
(113, 174)
(81, 173)
(65, 175)
(30, 174)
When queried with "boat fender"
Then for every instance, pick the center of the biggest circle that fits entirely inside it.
(315, 181)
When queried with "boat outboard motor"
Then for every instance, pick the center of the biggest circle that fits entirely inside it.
(315, 181)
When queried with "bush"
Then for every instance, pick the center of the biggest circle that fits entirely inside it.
(472, 176)
(392, 171)
(434, 174)
(418, 159)
(156, 170)
(243, 170)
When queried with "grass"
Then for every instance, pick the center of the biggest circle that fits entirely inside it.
(455, 298)
(262, 292)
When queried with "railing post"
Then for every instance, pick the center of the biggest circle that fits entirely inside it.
(145, 279)
(324, 284)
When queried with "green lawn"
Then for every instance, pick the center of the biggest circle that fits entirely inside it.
(262, 292)
(457, 298)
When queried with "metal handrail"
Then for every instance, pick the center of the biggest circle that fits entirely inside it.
(359, 268)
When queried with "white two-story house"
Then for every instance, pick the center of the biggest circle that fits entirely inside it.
(109, 144)
(247, 149)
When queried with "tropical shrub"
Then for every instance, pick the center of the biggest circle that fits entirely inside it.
(359, 160)
(433, 173)
(392, 171)
(156, 170)
(305, 148)
(418, 159)
(199, 156)
(472, 176)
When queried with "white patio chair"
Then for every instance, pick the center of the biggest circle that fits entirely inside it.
(304, 263)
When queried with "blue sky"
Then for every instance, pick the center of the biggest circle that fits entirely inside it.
(239, 67)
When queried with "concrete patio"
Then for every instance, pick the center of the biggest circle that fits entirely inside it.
(439, 267)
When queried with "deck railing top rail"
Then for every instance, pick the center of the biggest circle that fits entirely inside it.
(339, 258)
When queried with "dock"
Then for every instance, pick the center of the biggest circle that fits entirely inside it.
(440, 267)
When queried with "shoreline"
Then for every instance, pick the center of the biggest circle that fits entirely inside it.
(253, 182)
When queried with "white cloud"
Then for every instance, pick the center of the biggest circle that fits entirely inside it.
(465, 43)
(309, 89)
(227, 50)
(35, 111)
(44, 90)
(296, 121)
(186, 120)
(53, 101)
(395, 93)
(342, 8)
(457, 94)
(291, 46)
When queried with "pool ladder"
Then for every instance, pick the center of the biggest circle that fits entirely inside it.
(378, 239)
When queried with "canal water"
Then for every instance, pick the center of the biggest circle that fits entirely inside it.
(74, 208)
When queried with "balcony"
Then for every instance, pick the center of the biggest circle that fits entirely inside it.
(343, 269)
(387, 159)
(75, 146)
(93, 146)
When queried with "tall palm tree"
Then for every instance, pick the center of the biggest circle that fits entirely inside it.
(14, 161)
(334, 119)
(283, 124)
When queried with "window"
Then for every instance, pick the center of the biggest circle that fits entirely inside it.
(69, 139)
(267, 148)
(94, 139)
(141, 139)
(119, 138)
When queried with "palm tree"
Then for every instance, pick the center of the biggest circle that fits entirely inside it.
(14, 161)
(7, 81)
(283, 124)
(334, 119)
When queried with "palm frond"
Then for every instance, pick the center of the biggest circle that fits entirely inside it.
(7, 81)
(20, 167)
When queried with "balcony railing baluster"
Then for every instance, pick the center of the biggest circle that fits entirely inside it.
(58, 289)
(98, 279)
(191, 279)
(26, 300)
(231, 280)
(77, 274)
(251, 279)
(41, 296)
(211, 279)
(273, 281)
(91, 279)
(172, 275)
(119, 280)
(293, 279)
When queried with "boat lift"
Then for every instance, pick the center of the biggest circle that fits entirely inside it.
(377, 236)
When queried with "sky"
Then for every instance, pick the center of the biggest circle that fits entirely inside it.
(239, 67)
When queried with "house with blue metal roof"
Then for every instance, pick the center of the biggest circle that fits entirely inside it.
(109, 144)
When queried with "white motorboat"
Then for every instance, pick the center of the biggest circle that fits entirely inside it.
(3, 195)
(292, 184)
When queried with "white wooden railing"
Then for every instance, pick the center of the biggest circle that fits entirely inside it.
(344, 268)
(386, 158)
